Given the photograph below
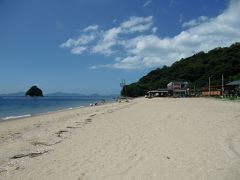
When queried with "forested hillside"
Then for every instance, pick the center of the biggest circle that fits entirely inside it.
(195, 69)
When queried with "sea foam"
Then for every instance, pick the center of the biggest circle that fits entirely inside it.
(16, 117)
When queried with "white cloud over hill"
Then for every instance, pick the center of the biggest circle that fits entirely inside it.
(134, 44)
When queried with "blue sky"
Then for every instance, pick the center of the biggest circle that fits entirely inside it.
(88, 46)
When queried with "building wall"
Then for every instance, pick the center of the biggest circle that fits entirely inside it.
(213, 93)
(177, 85)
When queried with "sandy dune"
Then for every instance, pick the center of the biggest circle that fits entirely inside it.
(143, 139)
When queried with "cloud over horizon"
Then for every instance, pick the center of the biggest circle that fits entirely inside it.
(134, 44)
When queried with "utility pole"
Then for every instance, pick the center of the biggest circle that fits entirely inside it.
(209, 87)
(222, 85)
(194, 90)
(124, 88)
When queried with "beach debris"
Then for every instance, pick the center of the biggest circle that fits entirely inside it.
(78, 122)
(60, 132)
(2, 170)
(18, 156)
(92, 115)
(31, 155)
(88, 120)
(110, 111)
(81, 176)
(71, 127)
(168, 157)
(10, 136)
(36, 143)
(20, 168)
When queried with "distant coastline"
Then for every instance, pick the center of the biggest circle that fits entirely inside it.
(59, 94)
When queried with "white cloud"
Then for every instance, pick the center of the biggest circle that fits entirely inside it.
(107, 39)
(128, 63)
(137, 24)
(82, 40)
(93, 67)
(154, 30)
(195, 22)
(78, 50)
(110, 38)
(91, 28)
(134, 45)
(147, 3)
(69, 43)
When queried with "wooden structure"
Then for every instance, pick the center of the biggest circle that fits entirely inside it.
(214, 90)
(233, 88)
(158, 93)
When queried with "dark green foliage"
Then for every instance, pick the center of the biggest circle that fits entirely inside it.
(195, 69)
(34, 91)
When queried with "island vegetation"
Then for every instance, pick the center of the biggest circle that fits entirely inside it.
(34, 91)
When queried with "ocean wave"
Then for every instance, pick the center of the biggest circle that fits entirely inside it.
(16, 117)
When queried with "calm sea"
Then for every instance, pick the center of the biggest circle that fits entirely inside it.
(18, 107)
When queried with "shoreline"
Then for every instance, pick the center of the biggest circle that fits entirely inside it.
(19, 117)
(159, 138)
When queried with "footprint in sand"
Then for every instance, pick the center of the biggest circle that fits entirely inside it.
(81, 176)
(88, 120)
(234, 145)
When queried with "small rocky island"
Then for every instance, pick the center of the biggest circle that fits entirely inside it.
(34, 91)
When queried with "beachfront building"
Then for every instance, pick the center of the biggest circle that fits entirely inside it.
(230, 89)
(233, 88)
(213, 91)
(178, 88)
(158, 93)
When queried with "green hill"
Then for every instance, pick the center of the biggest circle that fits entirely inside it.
(195, 69)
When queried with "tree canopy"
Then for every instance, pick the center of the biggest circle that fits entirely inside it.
(195, 69)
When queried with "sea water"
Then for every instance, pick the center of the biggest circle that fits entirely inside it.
(19, 107)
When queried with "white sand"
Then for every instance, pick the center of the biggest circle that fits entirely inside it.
(151, 139)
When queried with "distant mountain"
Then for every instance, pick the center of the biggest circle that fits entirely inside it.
(14, 94)
(94, 94)
(65, 94)
(195, 69)
(76, 94)
(60, 94)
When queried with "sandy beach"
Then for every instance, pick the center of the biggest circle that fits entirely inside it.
(161, 138)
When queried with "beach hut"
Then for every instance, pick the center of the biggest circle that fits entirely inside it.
(215, 90)
(158, 93)
(233, 88)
